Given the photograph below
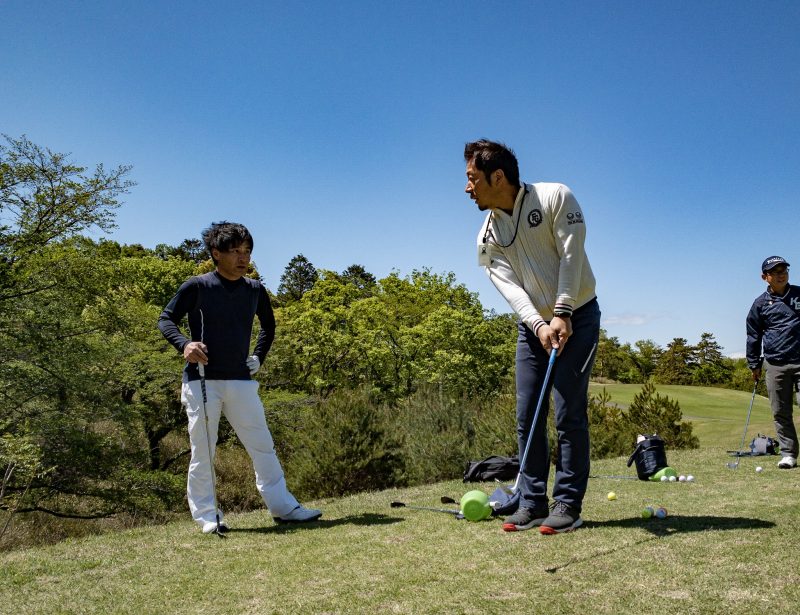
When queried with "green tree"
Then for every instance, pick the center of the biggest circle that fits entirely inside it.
(651, 413)
(712, 367)
(646, 357)
(676, 364)
(298, 278)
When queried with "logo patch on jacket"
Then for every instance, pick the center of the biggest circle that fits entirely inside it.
(535, 217)
(574, 218)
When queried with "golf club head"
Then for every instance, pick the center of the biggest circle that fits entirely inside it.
(397, 505)
(732, 465)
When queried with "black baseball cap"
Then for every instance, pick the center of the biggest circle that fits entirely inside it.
(772, 262)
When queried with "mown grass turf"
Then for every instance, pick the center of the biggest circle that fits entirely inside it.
(728, 545)
(718, 415)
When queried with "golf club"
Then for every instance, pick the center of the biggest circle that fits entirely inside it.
(542, 395)
(456, 513)
(202, 371)
(733, 465)
(613, 476)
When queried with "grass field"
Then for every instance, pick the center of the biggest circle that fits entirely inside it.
(728, 546)
(717, 415)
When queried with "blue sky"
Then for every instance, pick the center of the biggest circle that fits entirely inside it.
(336, 130)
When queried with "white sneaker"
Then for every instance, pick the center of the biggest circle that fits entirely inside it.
(300, 514)
(211, 526)
(787, 462)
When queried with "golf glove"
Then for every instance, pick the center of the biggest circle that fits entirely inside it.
(253, 364)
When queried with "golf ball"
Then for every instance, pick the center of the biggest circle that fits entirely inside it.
(612, 495)
(664, 479)
(759, 469)
(682, 478)
(647, 512)
(689, 478)
(661, 513)
(672, 479)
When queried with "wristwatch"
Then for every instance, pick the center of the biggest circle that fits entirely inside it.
(562, 314)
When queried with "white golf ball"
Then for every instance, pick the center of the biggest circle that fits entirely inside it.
(672, 479)
(759, 469)
(664, 479)
(689, 478)
(682, 478)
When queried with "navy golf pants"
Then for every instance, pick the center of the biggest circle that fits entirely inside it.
(569, 382)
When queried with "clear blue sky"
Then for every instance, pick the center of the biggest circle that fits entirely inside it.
(336, 130)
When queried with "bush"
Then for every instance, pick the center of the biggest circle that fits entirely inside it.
(651, 413)
(610, 434)
(347, 445)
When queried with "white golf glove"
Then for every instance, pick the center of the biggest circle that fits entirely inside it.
(253, 364)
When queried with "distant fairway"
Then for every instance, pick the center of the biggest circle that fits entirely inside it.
(717, 415)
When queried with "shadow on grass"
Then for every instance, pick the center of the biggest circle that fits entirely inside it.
(664, 528)
(684, 523)
(286, 528)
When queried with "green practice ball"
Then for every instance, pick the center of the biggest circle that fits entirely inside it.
(647, 512)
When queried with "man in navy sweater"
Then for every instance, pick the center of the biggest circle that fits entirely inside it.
(220, 307)
(774, 324)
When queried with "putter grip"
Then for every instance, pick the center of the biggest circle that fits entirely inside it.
(202, 369)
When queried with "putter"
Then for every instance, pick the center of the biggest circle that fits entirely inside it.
(202, 369)
(542, 395)
(733, 465)
(456, 513)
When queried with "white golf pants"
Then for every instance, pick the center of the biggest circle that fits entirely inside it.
(238, 400)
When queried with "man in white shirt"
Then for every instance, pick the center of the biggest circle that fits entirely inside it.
(531, 246)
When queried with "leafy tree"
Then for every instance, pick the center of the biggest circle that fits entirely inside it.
(676, 363)
(712, 367)
(44, 198)
(646, 356)
(298, 278)
(614, 361)
(193, 250)
(359, 277)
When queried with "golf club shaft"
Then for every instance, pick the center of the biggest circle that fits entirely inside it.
(542, 394)
(441, 510)
(202, 371)
(749, 411)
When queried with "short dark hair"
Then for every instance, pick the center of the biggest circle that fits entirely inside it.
(224, 236)
(490, 156)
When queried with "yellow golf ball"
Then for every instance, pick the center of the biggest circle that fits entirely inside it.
(612, 495)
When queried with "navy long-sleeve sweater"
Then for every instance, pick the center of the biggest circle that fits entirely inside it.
(774, 323)
(220, 315)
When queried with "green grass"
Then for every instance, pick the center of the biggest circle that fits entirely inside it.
(717, 415)
(727, 546)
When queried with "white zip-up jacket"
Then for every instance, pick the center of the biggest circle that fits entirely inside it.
(535, 257)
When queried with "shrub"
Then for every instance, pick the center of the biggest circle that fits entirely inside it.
(347, 445)
(651, 413)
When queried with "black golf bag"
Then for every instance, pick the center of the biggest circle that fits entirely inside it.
(649, 455)
(491, 468)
